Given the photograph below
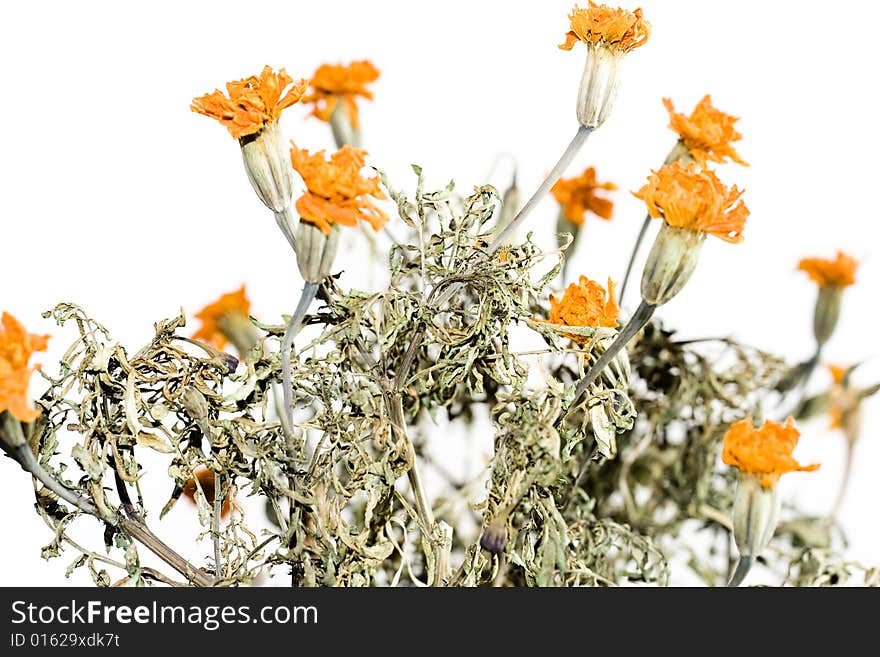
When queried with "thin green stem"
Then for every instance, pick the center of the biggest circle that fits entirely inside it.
(632, 256)
(573, 147)
(306, 297)
(844, 484)
(30, 463)
(641, 317)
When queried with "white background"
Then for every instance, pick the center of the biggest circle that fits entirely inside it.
(102, 161)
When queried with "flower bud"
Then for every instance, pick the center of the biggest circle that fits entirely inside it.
(267, 164)
(195, 403)
(240, 331)
(599, 83)
(671, 262)
(11, 433)
(827, 312)
(511, 203)
(755, 513)
(315, 251)
(494, 538)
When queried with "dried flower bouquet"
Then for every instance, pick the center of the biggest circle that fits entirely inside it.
(620, 450)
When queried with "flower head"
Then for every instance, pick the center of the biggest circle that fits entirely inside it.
(844, 408)
(838, 372)
(837, 391)
(216, 317)
(16, 347)
(337, 192)
(577, 196)
(840, 272)
(706, 133)
(251, 103)
(601, 24)
(207, 481)
(765, 452)
(585, 303)
(332, 83)
(693, 198)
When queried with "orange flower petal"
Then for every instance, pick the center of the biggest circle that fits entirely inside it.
(694, 198)
(577, 196)
(16, 348)
(706, 133)
(585, 303)
(840, 272)
(337, 192)
(207, 482)
(610, 26)
(764, 452)
(251, 103)
(213, 314)
(332, 82)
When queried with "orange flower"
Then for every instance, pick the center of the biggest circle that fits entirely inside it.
(840, 272)
(215, 317)
(764, 452)
(16, 347)
(706, 133)
(334, 82)
(252, 102)
(691, 198)
(836, 409)
(585, 303)
(601, 24)
(578, 196)
(337, 193)
(844, 401)
(837, 373)
(207, 482)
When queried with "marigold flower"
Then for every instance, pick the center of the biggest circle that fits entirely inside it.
(695, 199)
(706, 133)
(765, 452)
(207, 482)
(337, 192)
(218, 316)
(837, 373)
(577, 196)
(844, 407)
(333, 83)
(16, 347)
(251, 103)
(840, 272)
(585, 303)
(601, 24)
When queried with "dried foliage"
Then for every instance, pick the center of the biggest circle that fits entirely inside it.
(602, 492)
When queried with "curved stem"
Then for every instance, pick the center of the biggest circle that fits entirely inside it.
(743, 566)
(844, 484)
(130, 522)
(573, 147)
(632, 256)
(133, 523)
(306, 297)
(641, 317)
(143, 534)
(30, 463)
